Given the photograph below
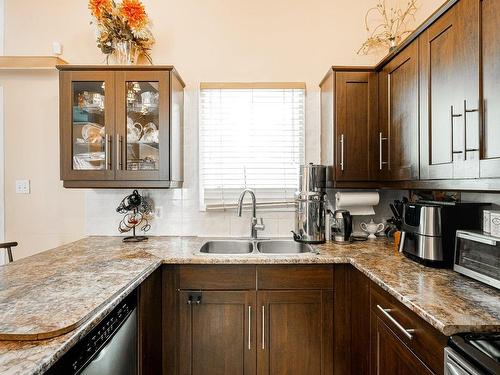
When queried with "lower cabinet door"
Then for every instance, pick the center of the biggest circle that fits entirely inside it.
(295, 332)
(217, 333)
(390, 355)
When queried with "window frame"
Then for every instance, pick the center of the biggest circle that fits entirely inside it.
(276, 205)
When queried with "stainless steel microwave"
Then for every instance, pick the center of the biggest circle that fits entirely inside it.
(477, 255)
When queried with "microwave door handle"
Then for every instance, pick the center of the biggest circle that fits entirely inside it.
(486, 241)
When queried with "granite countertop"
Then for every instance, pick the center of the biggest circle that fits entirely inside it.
(57, 296)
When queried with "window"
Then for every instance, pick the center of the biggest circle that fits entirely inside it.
(251, 136)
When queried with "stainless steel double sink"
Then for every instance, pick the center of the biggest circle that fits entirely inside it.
(259, 246)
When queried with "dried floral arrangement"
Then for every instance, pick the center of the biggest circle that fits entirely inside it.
(123, 22)
(394, 27)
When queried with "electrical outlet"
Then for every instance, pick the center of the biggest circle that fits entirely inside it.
(22, 186)
(159, 212)
(56, 48)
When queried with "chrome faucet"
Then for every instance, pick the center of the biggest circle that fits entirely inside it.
(254, 227)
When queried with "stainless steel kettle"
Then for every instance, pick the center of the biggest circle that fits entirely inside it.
(341, 226)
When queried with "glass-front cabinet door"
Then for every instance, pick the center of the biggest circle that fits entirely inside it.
(87, 125)
(142, 125)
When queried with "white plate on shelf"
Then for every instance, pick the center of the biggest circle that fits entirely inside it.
(92, 133)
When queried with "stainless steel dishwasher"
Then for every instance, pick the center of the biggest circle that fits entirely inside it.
(108, 349)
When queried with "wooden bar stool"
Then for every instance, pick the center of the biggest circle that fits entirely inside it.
(8, 246)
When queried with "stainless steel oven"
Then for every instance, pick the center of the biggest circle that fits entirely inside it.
(477, 255)
(472, 354)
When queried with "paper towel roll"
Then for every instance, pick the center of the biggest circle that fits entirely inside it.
(357, 203)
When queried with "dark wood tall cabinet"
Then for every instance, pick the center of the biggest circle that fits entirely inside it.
(121, 126)
(349, 117)
(490, 64)
(397, 152)
(449, 85)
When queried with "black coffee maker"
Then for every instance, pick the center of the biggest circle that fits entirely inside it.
(341, 227)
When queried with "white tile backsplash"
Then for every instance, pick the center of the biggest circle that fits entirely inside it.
(181, 215)
(382, 211)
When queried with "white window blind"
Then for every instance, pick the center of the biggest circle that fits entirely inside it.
(251, 136)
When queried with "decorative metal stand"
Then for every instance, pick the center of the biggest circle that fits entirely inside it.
(136, 210)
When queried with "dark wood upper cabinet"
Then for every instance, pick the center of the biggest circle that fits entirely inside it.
(430, 120)
(121, 126)
(398, 154)
(449, 89)
(217, 332)
(84, 133)
(349, 120)
(490, 48)
(146, 158)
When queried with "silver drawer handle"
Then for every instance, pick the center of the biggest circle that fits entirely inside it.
(107, 151)
(381, 161)
(249, 327)
(119, 154)
(342, 152)
(406, 332)
(263, 326)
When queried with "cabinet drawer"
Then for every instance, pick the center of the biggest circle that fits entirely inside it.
(424, 340)
(217, 277)
(295, 277)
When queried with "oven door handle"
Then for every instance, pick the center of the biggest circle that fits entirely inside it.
(455, 364)
(486, 241)
(453, 369)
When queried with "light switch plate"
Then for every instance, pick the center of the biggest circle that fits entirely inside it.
(22, 186)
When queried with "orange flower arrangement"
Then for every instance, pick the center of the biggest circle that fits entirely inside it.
(98, 7)
(133, 11)
(125, 22)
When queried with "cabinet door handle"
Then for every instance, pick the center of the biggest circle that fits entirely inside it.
(342, 152)
(465, 129)
(263, 326)
(107, 151)
(381, 159)
(119, 147)
(406, 332)
(453, 115)
(249, 327)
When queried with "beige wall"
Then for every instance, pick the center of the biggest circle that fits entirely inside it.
(207, 40)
